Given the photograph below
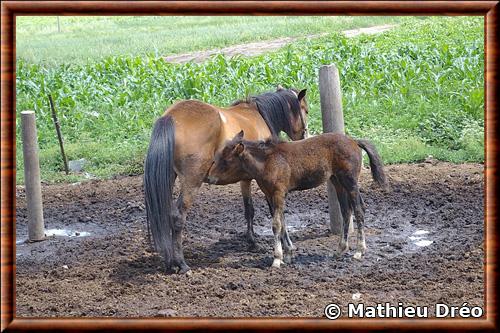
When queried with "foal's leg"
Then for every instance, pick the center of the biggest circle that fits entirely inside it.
(346, 211)
(278, 205)
(359, 213)
(287, 242)
(356, 203)
(249, 210)
(287, 236)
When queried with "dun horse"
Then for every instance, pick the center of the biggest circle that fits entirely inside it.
(183, 144)
(280, 167)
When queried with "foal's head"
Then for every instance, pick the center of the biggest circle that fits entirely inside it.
(239, 159)
(227, 167)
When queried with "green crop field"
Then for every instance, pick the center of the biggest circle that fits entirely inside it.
(87, 39)
(416, 90)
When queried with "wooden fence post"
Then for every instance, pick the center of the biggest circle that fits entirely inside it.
(36, 229)
(333, 121)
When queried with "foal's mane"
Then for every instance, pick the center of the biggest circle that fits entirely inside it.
(275, 108)
(260, 149)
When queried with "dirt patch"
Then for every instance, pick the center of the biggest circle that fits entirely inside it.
(256, 48)
(112, 272)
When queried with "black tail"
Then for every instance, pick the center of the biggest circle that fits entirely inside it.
(159, 178)
(376, 164)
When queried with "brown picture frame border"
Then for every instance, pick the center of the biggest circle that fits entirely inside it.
(11, 9)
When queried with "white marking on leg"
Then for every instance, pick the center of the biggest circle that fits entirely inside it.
(351, 225)
(276, 263)
(278, 250)
(357, 255)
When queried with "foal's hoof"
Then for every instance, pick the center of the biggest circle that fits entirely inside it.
(287, 259)
(276, 263)
(184, 269)
(339, 253)
(358, 256)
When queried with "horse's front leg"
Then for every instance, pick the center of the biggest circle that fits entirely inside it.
(246, 191)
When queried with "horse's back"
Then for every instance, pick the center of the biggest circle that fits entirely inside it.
(197, 128)
(243, 117)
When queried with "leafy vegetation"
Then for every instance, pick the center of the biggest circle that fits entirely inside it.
(416, 90)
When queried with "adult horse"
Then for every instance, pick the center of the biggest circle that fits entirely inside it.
(183, 145)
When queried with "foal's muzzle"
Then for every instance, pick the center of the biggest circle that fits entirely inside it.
(212, 179)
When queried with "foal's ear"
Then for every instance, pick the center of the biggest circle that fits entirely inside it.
(238, 149)
(239, 136)
(279, 87)
(302, 94)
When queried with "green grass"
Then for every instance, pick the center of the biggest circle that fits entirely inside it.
(84, 39)
(415, 91)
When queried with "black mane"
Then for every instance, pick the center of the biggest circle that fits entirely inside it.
(275, 108)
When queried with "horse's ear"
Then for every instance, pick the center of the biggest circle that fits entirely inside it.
(239, 136)
(238, 149)
(279, 87)
(302, 94)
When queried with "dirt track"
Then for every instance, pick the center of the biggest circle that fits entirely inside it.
(111, 272)
(256, 48)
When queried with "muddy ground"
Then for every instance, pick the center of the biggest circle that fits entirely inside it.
(111, 272)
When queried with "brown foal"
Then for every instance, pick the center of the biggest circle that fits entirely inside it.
(280, 167)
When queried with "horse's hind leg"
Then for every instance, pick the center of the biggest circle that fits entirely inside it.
(346, 211)
(249, 210)
(189, 187)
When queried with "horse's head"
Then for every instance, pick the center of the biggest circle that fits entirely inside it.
(227, 167)
(298, 119)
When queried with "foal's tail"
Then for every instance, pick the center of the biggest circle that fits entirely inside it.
(159, 178)
(376, 164)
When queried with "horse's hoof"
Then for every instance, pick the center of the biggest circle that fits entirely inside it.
(254, 247)
(250, 239)
(276, 263)
(287, 259)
